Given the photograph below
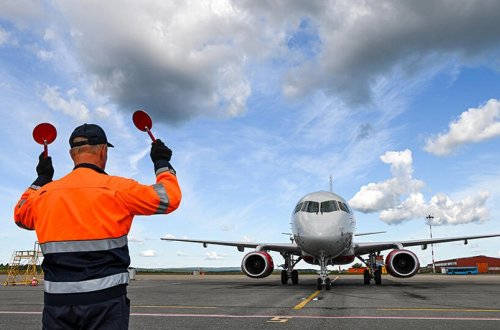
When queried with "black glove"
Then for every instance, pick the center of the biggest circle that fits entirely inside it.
(44, 167)
(160, 155)
(159, 151)
(45, 170)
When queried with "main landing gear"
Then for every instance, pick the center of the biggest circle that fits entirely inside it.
(288, 272)
(373, 270)
(323, 280)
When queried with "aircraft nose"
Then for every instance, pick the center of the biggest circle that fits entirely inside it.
(313, 244)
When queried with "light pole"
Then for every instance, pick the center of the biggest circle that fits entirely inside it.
(429, 219)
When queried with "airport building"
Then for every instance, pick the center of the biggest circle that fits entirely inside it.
(484, 264)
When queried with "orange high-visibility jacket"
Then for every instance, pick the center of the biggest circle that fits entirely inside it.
(82, 221)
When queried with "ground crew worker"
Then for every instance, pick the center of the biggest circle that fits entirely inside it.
(82, 221)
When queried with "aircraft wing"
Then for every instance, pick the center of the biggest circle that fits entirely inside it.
(364, 248)
(278, 247)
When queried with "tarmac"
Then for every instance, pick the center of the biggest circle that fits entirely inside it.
(238, 302)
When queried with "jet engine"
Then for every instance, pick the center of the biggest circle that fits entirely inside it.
(402, 263)
(257, 264)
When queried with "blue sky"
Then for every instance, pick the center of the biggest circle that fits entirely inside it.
(398, 101)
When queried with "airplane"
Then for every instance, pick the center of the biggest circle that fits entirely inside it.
(323, 228)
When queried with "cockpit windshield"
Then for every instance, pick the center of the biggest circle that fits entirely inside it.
(312, 207)
(307, 206)
(323, 207)
(329, 206)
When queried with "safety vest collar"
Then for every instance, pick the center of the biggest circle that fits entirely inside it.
(91, 166)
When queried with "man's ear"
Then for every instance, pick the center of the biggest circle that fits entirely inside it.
(104, 151)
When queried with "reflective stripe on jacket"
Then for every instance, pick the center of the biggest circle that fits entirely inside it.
(82, 221)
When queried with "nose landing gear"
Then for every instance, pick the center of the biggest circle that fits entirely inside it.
(327, 283)
(323, 280)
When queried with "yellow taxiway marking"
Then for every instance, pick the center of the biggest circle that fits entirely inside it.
(439, 309)
(308, 299)
(176, 307)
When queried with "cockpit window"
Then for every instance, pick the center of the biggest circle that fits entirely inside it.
(298, 207)
(344, 207)
(324, 207)
(312, 207)
(329, 206)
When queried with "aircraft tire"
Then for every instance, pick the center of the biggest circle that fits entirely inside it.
(284, 277)
(328, 284)
(378, 277)
(295, 277)
(366, 277)
(320, 284)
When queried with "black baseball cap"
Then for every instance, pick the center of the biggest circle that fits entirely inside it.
(94, 134)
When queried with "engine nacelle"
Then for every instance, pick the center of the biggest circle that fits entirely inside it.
(402, 263)
(257, 264)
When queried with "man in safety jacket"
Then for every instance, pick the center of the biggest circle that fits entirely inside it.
(82, 221)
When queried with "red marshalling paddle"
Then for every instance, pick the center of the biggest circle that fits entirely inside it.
(143, 122)
(44, 134)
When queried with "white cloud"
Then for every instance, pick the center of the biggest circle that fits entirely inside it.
(181, 253)
(247, 239)
(413, 207)
(444, 210)
(384, 195)
(180, 60)
(132, 238)
(191, 61)
(469, 209)
(234, 90)
(399, 199)
(49, 35)
(135, 158)
(103, 112)
(71, 107)
(474, 125)
(148, 253)
(169, 236)
(358, 47)
(22, 12)
(4, 37)
(227, 227)
(213, 256)
(45, 55)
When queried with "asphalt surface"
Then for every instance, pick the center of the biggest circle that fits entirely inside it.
(238, 302)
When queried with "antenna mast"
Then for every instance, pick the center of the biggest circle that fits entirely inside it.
(331, 184)
(429, 220)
